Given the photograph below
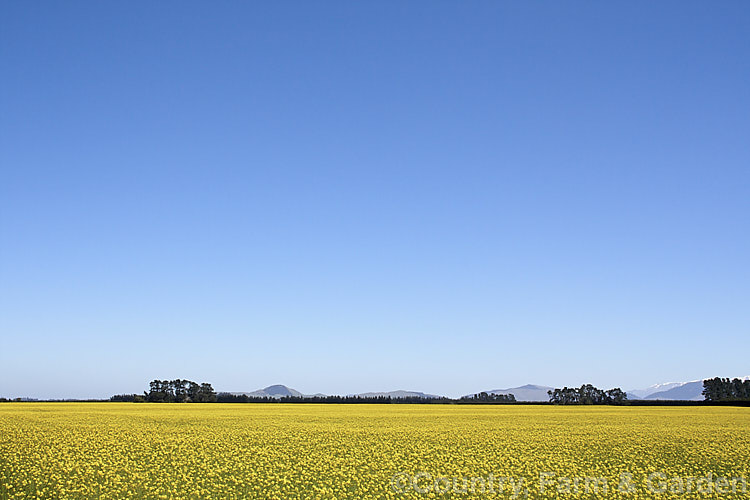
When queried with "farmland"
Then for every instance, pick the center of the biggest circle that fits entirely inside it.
(121, 450)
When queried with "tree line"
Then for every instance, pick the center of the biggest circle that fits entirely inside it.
(723, 389)
(226, 397)
(587, 394)
(484, 397)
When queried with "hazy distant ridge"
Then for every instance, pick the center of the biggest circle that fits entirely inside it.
(528, 392)
(397, 394)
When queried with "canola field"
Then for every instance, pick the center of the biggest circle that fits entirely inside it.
(289, 451)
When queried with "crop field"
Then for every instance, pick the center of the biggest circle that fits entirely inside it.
(285, 451)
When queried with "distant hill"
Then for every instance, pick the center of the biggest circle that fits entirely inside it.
(528, 392)
(272, 391)
(397, 394)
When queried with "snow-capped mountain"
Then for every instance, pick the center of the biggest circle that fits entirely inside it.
(673, 391)
(644, 393)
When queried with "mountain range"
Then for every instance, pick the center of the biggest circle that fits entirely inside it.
(670, 391)
(397, 394)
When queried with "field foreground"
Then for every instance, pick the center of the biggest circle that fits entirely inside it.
(284, 451)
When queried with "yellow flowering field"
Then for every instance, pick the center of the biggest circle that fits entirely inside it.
(286, 451)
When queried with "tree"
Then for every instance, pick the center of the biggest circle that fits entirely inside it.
(616, 396)
(206, 394)
(159, 392)
(179, 387)
(193, 392)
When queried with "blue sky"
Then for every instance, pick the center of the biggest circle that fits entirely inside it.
(347, 196)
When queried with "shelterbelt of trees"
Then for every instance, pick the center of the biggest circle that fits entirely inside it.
(172, 391)
(587, 394)
(723, 389)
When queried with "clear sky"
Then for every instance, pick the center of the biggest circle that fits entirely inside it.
(355, 196)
